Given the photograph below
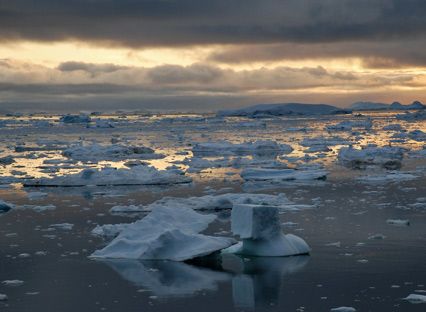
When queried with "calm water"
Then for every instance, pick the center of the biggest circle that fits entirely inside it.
(357, 258)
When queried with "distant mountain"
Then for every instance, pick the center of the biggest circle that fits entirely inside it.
(382, 106)
(282, 109)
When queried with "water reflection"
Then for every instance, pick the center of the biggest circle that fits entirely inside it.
(256, 281)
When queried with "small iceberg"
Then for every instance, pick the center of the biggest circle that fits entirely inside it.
(387, 157)
(165, 234)
(259, 227)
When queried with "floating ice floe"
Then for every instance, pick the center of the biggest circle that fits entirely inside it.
(393, 127)
(259, 227)
(248, 148)
(13, 283)
(62, 226)
(416, 116)
(109, 230)
(277, 175)
(217, 202)
(7, 160)
(323, 141)
(96, 152)
(3, 297)
(348, 125)
(417, 135)
(415, 298)
(4, 206)
(387, 178)
(387, 157)
(138, 175)
(398, 222)
(343, 309)
(165, 234)
(75, 119)
(265, 110)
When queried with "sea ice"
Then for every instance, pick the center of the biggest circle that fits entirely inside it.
(217, 202)
(75, 119)
(96, 152)
(165, 234)
(4, 206)
(248, 148)
(259, 227)
(343, 309)
(260, 174)
(415, 298)
(265, 110)
(138, 175)
(387, 157)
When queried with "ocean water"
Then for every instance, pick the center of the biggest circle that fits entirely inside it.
(358, 259)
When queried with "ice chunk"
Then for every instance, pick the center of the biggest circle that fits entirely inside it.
(4, 206)
(387, 157)
(75, 119)
(7, 160)
(415, 298)
(259, 227)
(3, 297)
(260, 174)
(343, 309)
(348, 125)
(13, 283)
(166, 233)
(138, 175)
(96, 152)
(398, 222)
(247, 148)
(109, 230)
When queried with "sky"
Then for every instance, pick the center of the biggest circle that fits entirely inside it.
(200, 55)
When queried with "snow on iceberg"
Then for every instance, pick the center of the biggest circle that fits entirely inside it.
(259, 227)
(264, 110)
(138, 175)
(277, 175)
(165, 234)
(387, 157)
(96, 152)
(248, 148)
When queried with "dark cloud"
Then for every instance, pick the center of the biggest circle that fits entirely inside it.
(93, 69)
(386, 54)
(184, 22)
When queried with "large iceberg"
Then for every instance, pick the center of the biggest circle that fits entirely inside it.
(259, 227)
(138, 175)
(165, 234)
(264, 110)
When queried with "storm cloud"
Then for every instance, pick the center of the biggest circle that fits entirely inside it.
(192, 22)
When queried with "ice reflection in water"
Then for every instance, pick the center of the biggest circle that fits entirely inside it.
(256, 281)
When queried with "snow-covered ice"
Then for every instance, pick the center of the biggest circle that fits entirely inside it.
(259, 228)
(165, 234)
(138, 175)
